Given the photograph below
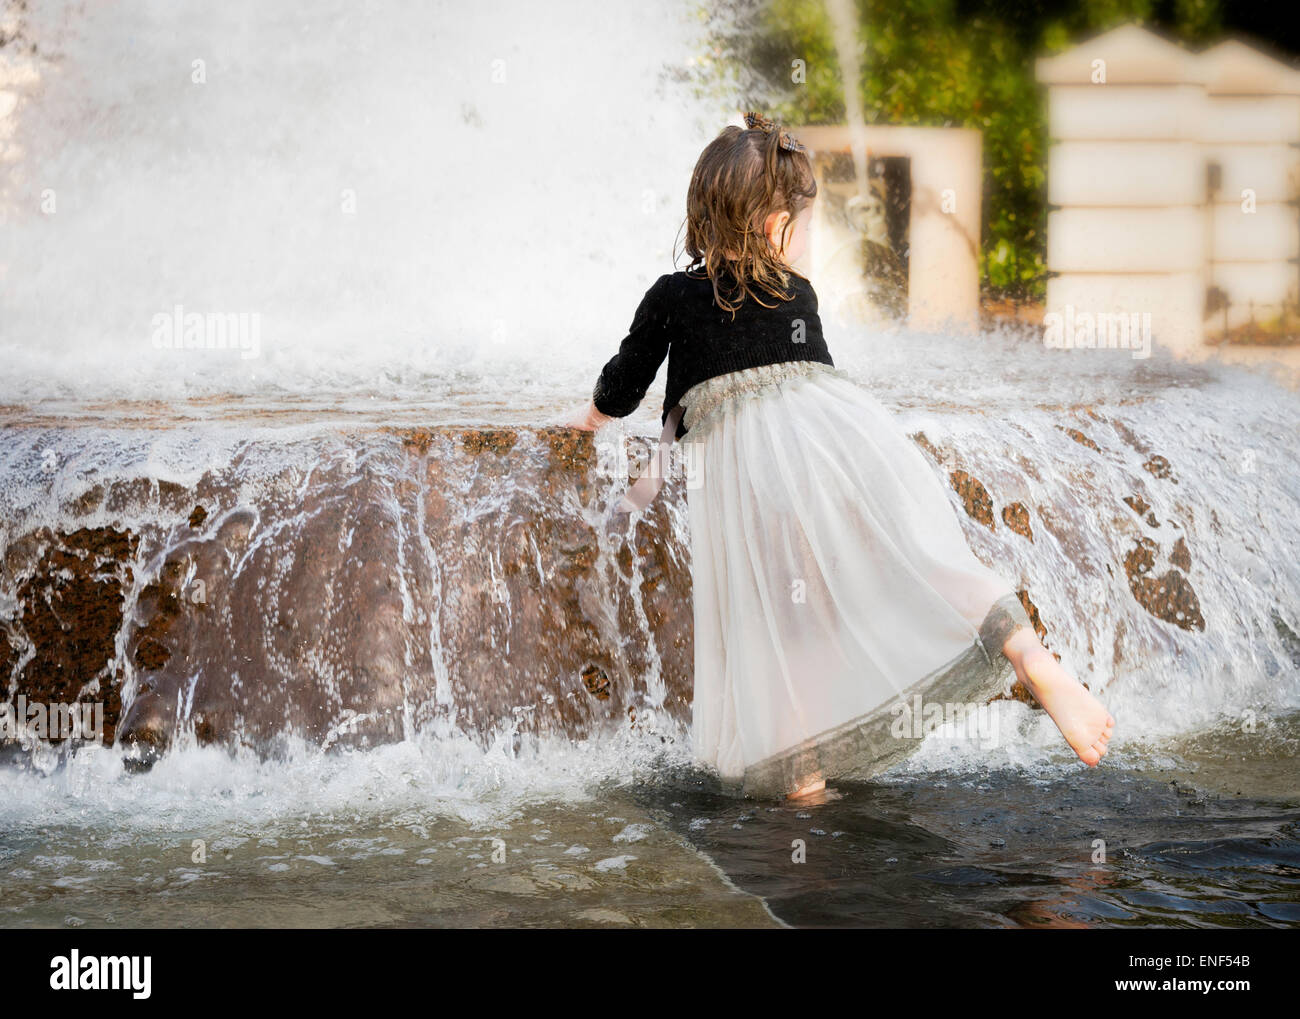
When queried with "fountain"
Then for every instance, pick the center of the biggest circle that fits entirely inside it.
(348, 604)
(351, 540)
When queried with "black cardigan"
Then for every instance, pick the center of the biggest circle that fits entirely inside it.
(678, 318)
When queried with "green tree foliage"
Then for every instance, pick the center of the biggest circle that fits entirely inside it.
(943, 63)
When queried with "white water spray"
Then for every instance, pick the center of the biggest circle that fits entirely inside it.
(392, 188)
(844, 24)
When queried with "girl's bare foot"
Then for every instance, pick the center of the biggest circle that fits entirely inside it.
(1083, 720)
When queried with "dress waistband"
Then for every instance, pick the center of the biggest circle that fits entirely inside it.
(699, 405)
(704, 398)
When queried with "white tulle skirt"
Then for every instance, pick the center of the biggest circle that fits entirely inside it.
(832, 581)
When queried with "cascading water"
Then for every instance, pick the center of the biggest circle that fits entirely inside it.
(844, 27)
(412, 626)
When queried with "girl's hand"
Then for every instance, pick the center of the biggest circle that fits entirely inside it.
(587, 418)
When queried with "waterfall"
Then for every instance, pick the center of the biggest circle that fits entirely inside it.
(372, 529)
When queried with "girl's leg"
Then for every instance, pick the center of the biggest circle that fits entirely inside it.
(1083, 720)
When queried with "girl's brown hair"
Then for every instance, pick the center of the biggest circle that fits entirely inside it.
(741, 178)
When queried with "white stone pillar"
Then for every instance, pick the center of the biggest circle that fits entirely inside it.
(1251, 134)
(1127, 230)
(944, 219)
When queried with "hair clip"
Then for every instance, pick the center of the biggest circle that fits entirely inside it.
(758, 121)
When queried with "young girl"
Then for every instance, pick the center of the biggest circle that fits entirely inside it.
(833, 588)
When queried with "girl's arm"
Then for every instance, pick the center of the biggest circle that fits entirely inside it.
(628, 374)
(588, 418)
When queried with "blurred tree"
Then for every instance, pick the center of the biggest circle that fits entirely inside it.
(967, 63)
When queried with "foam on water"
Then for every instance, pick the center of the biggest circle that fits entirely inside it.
(439, 771)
